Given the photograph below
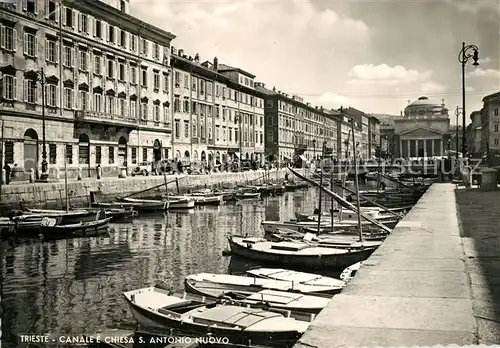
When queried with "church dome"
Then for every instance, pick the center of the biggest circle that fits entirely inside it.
(424, 107)
(424, 101)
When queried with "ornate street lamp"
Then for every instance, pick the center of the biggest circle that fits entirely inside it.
(44, 176)
(463, 58)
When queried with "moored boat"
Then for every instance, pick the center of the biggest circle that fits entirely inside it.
(179, 202)
(296, 254)
(247, 195)
(303, 278)
(52, 229)
(348, 273)
(252, 284)
(147, 205)
(154, 307)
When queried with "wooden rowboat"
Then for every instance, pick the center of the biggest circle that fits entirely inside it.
(154, 307)
(296, 254)
(348, 273)
(50, 229)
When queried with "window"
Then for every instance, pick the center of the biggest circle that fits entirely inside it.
(133, 42)
(193, 108)
(69, 154)
(495, 112)
(186, 81)
(165, 83)
(83, 98)
(111, 68)
(67, 57)
(123, 107)
(156, 81)
(83, 23)
(185, 106)
(165, 114)
(496, 127)
(133, 75)
(194, 81)
(122, 6)
(97, 102)
(121, 72)
(68, 17)
(217, 91)
(144, 46)
(230, 133)
(209, 88)
(110, 104)
(202, 87)
(194, 130)
(496, 141)
(111, 34)
(30, 45)
(98, 29)
(30, 6)
(123, 38)
(177, 129)
(9, 152)
(52, 96)
(52, 11)
(144, 154)
(156, 52)
(177, 104)
(30, 91)
(134, 155)
(177, 79)
(83, 61)
(144, 110)
(144, 76)
(98, 155)
(97, 65)
(133, 107)
(111, 155)
(52, 153)
(186, 129)
(156, 112)
(68, 98)
(217, 111)
(8, 38)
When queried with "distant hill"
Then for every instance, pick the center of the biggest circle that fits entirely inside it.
(386, 120)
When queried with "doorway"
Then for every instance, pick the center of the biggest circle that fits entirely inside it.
(30, 150)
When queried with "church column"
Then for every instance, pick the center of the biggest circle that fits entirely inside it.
(433, 154)
(441, 147)
(400, 148)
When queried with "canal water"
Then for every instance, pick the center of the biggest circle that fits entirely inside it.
(75, 286)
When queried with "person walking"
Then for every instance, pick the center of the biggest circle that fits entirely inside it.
(7, 173)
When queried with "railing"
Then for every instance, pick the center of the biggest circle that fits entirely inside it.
(95, 116)
(203, 140)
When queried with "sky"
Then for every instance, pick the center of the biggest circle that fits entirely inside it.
(371, 55)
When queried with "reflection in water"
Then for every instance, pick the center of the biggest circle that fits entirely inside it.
(75, 286)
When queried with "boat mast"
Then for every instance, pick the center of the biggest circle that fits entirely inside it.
(332, 200)
(320, 193)
(66, 182)
(356, 180)
(346, 169)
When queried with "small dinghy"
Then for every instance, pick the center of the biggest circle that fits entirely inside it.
(51, 229)
(302, 278)
(348, 273)
(247, 195)
(154, 307)
(299, 254)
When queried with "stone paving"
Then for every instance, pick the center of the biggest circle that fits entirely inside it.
(426, 285)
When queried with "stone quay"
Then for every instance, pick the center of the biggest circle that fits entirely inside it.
(434, 281)
(52, 194)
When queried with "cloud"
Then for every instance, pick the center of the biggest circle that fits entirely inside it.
(385, 74)
(330, 100)
(474, 6)
(432, 87)
(484, 73)
(485, 60)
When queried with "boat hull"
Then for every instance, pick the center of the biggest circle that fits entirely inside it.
(86, 229)
(335, 261)
(271, 339)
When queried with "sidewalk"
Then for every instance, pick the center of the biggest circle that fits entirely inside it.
(417, 288)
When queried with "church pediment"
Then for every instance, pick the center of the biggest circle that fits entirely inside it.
(421, 132)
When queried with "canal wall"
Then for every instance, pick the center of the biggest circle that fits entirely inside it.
(52, 194)
(417, 289)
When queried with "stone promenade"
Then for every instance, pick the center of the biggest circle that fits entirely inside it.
(426, 285)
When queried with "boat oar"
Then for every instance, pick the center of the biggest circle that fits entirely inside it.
(151, 188)
(341, 201)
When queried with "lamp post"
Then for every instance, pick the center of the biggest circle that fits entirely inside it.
(44, 175)
(458, 111)
(314, 151)
(463, 58)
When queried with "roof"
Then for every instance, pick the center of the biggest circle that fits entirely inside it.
(492, 97)
(266, 90)
(197, 65)
(424, 101)
(224, 67)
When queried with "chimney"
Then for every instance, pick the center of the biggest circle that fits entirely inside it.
(181, 52)
(442, 103)
(197, 57)
(274, 88)
(216, 64)
(279, 92)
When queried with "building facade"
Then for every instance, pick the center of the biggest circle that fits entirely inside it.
(107, 86)
(294, 128)
(422, 131)
(488, 132)
(374, 140)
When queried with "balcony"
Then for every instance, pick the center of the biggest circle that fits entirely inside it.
(194, 140)
(301, 147)
(203, 140)
(105, 118)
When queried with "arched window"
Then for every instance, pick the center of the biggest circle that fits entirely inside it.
(83, 149)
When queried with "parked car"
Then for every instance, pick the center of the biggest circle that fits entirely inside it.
(142, 168)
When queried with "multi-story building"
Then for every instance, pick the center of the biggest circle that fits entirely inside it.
(374, 139)
(107, 85)
(475, 146)
(217, 114)
(361, 131)
(490, 124)
(295, 128)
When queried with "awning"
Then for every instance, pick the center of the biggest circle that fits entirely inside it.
(238, 155)
(303, 158)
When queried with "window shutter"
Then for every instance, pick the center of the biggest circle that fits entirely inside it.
(36, 45)
(57, 52)
(25, 5)
(47, 50)
(25, 90)
(94, 26)
(80, 15)
(25, 43)
(46, 9)
(130, 38)
(57, 96)
(73, 99)
(73, 20)
(14, 88)
(63, 9)
(2, 36)
(73, 52)
(125, 40)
